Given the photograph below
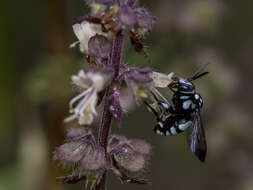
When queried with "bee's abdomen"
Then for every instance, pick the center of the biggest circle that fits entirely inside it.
(173, 125)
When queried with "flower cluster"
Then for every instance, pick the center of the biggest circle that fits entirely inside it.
(82, 153)
(108, 17)
(101, 38)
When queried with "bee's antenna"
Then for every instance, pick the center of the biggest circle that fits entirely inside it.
(198, 73)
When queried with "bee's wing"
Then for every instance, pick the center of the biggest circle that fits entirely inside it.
(196, 137)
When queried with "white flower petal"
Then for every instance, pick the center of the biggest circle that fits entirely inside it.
(84, 32)
(161, 80)
(85, 101)
(83, 106)
(93, 104)
(98, 80)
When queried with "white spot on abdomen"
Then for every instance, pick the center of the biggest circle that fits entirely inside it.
(184, 126)
(173, 131)
(160, 124)
(187, 104)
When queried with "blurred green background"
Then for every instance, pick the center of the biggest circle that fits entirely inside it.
(35, 69)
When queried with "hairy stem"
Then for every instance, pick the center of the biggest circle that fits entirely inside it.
(105, 128)
(116, 53)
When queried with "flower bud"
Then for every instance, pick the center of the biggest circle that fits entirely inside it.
(99, 47)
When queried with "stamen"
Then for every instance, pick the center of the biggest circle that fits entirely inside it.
(78, 97)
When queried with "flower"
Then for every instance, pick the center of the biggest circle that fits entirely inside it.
(99, 48)
(135, 17)
(91, 83)
(137, 79)
(84, 32)
(144, 19)
(126, 15)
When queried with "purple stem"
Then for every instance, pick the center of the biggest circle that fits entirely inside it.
(105, 128)
(116, 52)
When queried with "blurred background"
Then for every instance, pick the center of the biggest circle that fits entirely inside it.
(35, 69)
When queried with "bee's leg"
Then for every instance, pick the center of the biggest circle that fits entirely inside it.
(166, 106)
(159, 126)
(171, 89)
(152, 109)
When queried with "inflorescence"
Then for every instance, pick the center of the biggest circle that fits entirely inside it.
(101, 37)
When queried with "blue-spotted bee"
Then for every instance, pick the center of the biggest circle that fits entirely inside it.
(183, 114)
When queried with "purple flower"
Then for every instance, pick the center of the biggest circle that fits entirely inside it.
(137, 79)
(144, 19)
(99, 48)
(126, 15)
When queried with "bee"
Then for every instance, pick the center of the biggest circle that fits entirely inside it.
(183, 114)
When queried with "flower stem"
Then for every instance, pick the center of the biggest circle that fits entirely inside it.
(116, 52)
(105, 128)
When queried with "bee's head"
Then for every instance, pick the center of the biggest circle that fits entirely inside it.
(182, 85)
(186, 86)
